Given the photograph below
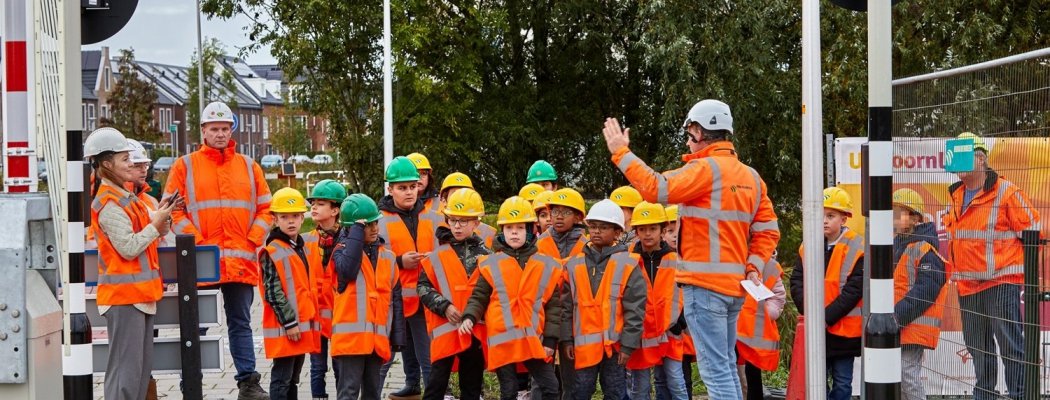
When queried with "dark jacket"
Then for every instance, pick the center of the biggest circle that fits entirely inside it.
(851, 295)
(348, 255)
(468, 251)
(651, 261)
(273, 290)
(931, 276)
(482, 295)
(409, 217)
(633, 301)
(567, 240)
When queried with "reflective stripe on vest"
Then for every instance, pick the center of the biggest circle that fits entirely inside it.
(145, 274)
(756, 339)
(445, 288)
(361, 301)
(609, 334)
(499, 286)
(990, 236)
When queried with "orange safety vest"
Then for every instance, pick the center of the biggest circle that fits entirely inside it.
(364, 312)
(844, 257)
(227, 204)
(487, 234)
(597, 318)
(758, 339)
(122, 281)
(324, 281)
(728, 224)
(449, 277)
(663, 306)
(925, 330)
(984, 240)
(394, 230)
(545, 244)
(515, 317)
(298, 287)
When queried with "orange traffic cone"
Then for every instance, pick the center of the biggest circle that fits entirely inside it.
(796, 389)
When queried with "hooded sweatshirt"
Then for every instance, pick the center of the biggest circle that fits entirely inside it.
(567, 240)
(931, 276)
(633, 300)
(468, 250)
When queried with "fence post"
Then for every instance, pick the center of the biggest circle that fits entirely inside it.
(189, 317)
(1032, 300)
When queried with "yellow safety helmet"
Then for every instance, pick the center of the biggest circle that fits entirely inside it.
(530, 191)
(837, 199)
(456, 180)
(464, 202)
(626, 196)
(672, 213)
(568, 197)
(419, 160)
(978, 142)
(647, 213)
(542, 199)
(288, 200)
(515, 210)
(908, 198)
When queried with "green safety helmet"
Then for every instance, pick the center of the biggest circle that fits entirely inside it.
(401, 169)
(328, 189)
(358, 207)
(541, 171)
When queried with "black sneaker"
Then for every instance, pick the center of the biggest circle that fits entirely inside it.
(406, 393)
(249, 389)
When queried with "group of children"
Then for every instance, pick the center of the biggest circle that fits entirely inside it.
(556, 292)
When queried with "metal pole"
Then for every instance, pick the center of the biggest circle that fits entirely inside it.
(1032, 303)
(812, 202)
(189, 317)
(388, 98)
(200, 67)
(882, 350)
(18, 105)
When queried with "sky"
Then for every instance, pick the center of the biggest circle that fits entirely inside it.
(165, 31)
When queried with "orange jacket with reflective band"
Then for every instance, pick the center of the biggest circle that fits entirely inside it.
(487, 234)
(143, 194)
(758, 339)
(925, 330)
(545, 244)
(844, 257)
(122, 281)
(984, 240)
(227, 204)
(364, 311)
(324, 281)
(597, 317)
(449, 277)
(299, 290)
(663, 306)
(516, 315)
(728, 225)
(394, 230)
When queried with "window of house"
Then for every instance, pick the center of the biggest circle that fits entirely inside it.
(265, 127)
(105, 77)
(91, 117)
(103, 111)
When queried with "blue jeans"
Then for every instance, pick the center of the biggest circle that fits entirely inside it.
(840, 370)
(416, 354)
(716, 341)
(318, 370)
(237, 301)
(674, 388)
(992, 317)
(613, 379)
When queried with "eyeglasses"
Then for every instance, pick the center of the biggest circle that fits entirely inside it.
(600, 227)
(561, 212)
(460, 222)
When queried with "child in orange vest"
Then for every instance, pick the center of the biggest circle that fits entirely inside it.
(291, 328)
(517, 297)
(843, 291)
(758, 338)
(919, 287)
(325, 199)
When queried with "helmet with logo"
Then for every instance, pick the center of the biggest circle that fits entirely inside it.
(530, 191)
(217, 112)
(909, 199)
(713, 115)
(328, 189)
(456, 180)
(978, 142)
(515, 210)
(837, 199)
(357, 207)
(401, 169)
(672, 213)
(541, 171)
(647, 213)
(542, 199)
(419, 160)
(464, 202)
(288, 200)
(626, 196)
(568, 197)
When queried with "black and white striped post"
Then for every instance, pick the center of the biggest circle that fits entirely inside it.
(882, 345)
(77, 363)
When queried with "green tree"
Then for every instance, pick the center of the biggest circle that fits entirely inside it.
(218, 85)
(131, 102)
(287, 133)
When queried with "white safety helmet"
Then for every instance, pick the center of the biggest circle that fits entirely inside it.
(713, 115)
(138, 152)
(217, 112)
(606, 211)
(102, 140)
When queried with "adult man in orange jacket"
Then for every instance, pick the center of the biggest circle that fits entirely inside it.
(728, 231)
(228, 205)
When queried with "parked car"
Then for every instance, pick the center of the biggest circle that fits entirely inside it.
(163, 164)
(298, 159)
(271, 160)
(322, 159)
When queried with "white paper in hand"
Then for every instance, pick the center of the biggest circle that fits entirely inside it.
(758, 292)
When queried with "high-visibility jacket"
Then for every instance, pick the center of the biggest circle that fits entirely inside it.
(728, 226)
(122, 281)
(142, 194)
(487, 234)
(227, 204)
(925, 330)
(663, 306)
(515, 317)
(758, 339)
(597, 317)
(364, 313)
(545, 244)
(984, 239)
(324, 281)
(394, 230)
(298, 288)
(844, 257)
(449, 277)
